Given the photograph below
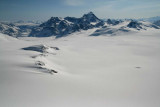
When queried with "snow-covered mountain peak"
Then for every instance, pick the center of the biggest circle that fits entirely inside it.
(59, 27)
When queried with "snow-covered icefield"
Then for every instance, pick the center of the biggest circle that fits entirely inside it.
(102, 71)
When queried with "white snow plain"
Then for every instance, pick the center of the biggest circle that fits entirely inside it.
(102, 71)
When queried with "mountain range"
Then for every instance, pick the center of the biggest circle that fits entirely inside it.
(151, 19)
(59, 27)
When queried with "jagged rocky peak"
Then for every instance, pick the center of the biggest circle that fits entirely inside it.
(113, 22)
(52, 21)
(109, 21)
(90, 17)
(134, 24)
(55, 19)
(71, 19)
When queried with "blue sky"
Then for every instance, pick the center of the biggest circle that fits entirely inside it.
(44, 9)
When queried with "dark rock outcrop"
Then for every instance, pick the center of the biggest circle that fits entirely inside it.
(135, 24)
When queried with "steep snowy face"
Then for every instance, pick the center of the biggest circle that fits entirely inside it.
(124, 27)
(59, 27)
(142, 25)
(9, 29)
(72, 19)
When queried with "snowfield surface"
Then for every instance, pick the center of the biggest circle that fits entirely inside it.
(101, 71)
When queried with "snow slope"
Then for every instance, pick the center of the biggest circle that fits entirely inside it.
(4, 37)
(103, 71)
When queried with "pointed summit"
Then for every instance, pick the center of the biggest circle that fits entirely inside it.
(90, 17)
(91, 13)
(52, 21)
